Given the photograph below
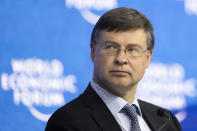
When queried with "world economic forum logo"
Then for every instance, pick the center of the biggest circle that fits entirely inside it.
(38, 83)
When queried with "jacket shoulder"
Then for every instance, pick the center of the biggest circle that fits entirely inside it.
(69, 117)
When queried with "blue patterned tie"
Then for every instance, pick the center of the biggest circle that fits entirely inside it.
(130, 111)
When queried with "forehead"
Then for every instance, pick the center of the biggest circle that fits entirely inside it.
(136, 37)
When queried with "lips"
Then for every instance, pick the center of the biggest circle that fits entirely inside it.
(120, 72)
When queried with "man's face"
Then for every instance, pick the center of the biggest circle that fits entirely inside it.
(120, 72)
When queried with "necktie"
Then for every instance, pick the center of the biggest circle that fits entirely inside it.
(130, 111)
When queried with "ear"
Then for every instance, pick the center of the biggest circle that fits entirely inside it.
(92, 51)
(149, 56)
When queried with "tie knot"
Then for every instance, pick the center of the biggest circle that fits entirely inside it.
(130, 109)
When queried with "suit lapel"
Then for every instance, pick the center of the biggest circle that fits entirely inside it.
(151, 116)
(99, 111)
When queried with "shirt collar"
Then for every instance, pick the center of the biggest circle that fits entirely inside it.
(113, 102)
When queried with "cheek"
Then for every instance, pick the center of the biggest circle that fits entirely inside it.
(139, 65)
(101, 63)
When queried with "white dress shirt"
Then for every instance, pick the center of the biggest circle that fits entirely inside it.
(115, 104)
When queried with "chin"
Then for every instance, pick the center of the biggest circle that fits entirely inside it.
(119, 84)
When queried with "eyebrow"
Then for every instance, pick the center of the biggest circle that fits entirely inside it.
(112, 42)
(129, 45)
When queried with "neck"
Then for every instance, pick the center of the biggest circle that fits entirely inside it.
(127, 93)
(130, 96)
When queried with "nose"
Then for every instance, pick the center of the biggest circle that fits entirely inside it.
(121, 57)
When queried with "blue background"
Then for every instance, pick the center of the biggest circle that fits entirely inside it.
(48, 29)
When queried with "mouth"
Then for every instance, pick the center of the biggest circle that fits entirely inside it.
(119, 72)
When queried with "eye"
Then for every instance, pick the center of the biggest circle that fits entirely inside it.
(110, 46)
(131, 50)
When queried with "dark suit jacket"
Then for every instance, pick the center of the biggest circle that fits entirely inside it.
(89, 113)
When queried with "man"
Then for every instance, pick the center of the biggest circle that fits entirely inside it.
(121, 49)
